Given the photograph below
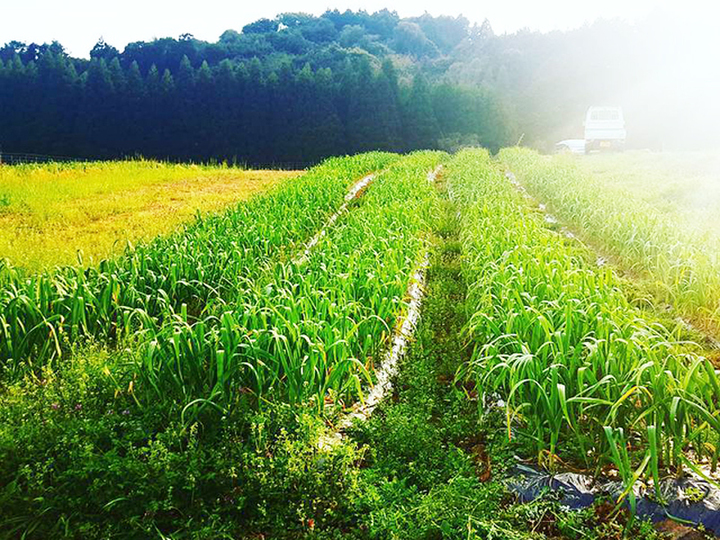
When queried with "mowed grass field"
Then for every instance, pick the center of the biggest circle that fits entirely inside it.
(81, 213)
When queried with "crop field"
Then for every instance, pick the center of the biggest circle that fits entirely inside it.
(675, 182)
(656, 222)
(560, 341)
(65, 214)
(203, 382)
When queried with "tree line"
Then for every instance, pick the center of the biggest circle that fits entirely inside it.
(298, 88)
(250, 98)
(232, 111)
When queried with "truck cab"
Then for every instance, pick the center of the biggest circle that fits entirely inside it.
(604, 129)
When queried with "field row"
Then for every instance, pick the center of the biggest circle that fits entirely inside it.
(679, 258)
(587, 377)
(42, 314)
(226, 311)
(306, 329)
(196, 376)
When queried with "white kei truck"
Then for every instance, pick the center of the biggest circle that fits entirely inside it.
(604, 129)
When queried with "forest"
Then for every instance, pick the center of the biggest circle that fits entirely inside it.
(298, 88)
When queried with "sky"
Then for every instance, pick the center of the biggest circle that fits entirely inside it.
(78, 24)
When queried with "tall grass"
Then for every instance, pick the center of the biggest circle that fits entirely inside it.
(177, 275)
(681, 260)
(44, 188)
(63, 214)
(582, 372)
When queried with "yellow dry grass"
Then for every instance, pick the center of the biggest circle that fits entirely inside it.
(64, 214)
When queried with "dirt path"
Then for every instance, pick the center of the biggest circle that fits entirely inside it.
(398, 345)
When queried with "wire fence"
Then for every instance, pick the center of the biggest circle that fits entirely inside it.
(286, 165)
(9, 158)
